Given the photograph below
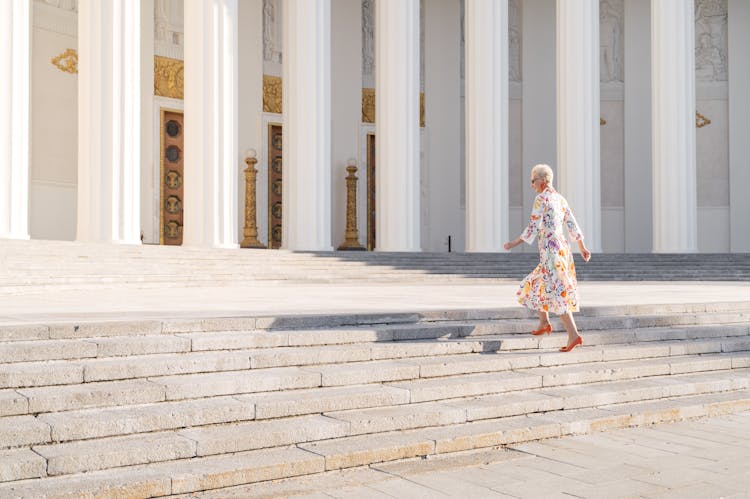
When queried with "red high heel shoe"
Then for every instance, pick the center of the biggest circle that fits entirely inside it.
(545, 330)
(576, 342)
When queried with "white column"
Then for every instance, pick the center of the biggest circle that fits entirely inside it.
(673, 121)
(15, 35)
(487, 104)
(739, 130)
(109, 109)
(397, 125)
(637, 123)
(578, 145)
(307, 124)
(211, 155)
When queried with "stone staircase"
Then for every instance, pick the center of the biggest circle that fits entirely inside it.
(29, 266)
(166, 407)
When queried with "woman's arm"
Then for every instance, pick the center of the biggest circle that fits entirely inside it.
(512, 244)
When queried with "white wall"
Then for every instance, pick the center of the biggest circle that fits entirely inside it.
(250, 96)
(346, 109)
(539, 113)
(739, 127)
(637, 127)
(54, 125)
(442, 132)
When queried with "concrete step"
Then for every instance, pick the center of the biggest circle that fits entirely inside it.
(213, 472)
(142, 445)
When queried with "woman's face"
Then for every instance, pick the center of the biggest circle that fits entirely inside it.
(537, 184)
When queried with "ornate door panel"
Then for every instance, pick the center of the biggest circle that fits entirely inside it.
(371, 192)
(274, 186)
(172, 175)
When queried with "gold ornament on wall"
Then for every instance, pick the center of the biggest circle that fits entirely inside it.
(272, 94)
(700, 120)
(67, 61)
(169, 77)
(602, 121)
(368, 106)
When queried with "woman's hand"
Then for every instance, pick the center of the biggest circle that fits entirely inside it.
(512, 244)
(585, 253)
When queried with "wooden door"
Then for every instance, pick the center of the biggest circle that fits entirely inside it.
(371, 192)
(172, 175)
(275, 168)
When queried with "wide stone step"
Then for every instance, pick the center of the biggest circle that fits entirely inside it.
(368, 409)
(104, 453)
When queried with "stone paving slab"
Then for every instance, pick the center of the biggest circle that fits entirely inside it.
(588, 466)
(253, 300)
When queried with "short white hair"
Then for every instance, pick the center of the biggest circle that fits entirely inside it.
(543, 172)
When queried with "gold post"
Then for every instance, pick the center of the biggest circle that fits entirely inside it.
(251, 227)
(352, 233)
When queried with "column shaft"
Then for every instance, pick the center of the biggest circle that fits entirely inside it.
(673, 121)
(109, 110)
(307, 125)
(486, 124)
(15, 35)
(211, 156)
(578, 145)
(397, 125)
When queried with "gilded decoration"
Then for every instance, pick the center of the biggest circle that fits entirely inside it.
(169, 77)
(271, 94)
(368, 106)
(67, 61)
(700, 120)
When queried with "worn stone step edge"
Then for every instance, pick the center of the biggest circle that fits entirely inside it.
(25, 375)
(216, 472)
(87, 329)
(509, 332)
(371, 413)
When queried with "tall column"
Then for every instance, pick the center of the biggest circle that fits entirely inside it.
(211, 155)
(15, 35)
(397, 125)
(739, 130)
(673, 121)
(578, 164)
(307, 124)
(109, 110)
(486, 124)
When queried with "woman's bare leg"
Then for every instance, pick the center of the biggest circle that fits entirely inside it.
(543, 319)
(570, 326)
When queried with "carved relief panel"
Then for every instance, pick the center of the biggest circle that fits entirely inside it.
(711, 40)
(272, 31)
(611, 41)
(169, 28)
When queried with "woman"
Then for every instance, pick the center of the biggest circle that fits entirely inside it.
(551, 286)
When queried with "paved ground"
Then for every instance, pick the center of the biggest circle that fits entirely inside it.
(258, 299)
(707, 458)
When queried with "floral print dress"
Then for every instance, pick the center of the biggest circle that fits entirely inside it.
(552, 285)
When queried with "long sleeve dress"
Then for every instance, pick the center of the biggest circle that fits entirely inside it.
(552, 285)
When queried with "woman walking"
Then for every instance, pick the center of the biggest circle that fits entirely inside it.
(552, 285)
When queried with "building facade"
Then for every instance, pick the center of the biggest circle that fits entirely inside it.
(131, 122)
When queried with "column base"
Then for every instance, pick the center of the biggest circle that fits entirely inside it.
(351, 246)
(252, 243)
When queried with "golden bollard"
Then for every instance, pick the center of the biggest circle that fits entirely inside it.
(351, 242)
(251, 227)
